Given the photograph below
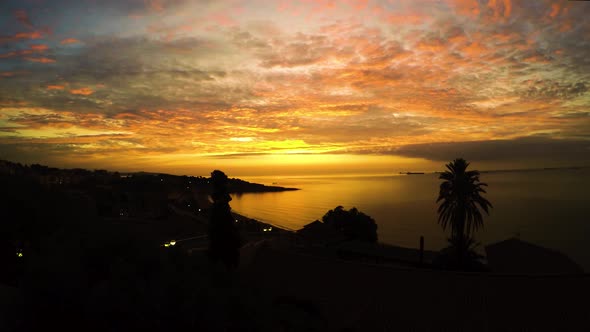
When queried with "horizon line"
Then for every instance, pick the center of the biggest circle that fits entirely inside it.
(366, 174)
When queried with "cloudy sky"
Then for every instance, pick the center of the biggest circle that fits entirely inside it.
(300, 86)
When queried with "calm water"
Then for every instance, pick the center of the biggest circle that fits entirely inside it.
(549, 208)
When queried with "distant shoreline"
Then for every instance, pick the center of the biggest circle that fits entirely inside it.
(60, 176)
(243, 217)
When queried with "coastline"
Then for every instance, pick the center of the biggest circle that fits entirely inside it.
(381, 253)
(244, 218)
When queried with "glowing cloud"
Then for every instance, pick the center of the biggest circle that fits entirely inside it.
(69, 41)
(82, 91)
(39, 47)
(40, 59)
(181, 83)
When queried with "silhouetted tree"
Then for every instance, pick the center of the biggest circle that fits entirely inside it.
(224, 239)
(353, 224)
(461, 201)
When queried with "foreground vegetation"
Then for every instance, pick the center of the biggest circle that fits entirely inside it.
(461, 207)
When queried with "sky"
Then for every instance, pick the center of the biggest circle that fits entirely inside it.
(264, 87)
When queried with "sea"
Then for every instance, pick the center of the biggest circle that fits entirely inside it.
(548, 207)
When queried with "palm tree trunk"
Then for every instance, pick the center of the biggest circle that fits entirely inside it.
(460, 236)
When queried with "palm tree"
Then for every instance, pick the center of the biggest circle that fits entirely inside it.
(461, 206)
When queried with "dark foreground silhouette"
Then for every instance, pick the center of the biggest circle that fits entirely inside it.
(83, 250)
(101, 255)
(224, 239)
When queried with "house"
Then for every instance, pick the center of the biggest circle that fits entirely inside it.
(517, 256)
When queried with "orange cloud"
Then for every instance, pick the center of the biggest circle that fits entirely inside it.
(554, 10)
(55, 87)
(400, 19)
(507, 8)
(8, 55)
(20, 36)
(536, 59)
(40, 60)
(223, 19)
(28, 35)
(500, 8)
(503, 37)
(7, 74)
(82, 91)
(39, 47)
(565, 26)
(466, 7)
(156, 5)
(434, 45)
(34, 49)
(360, 4)
(68, 41)
(127, 116)
(474, 50)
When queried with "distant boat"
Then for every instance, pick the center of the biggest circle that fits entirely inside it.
(411, 173)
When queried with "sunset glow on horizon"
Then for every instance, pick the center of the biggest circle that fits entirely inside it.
(283, 87)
